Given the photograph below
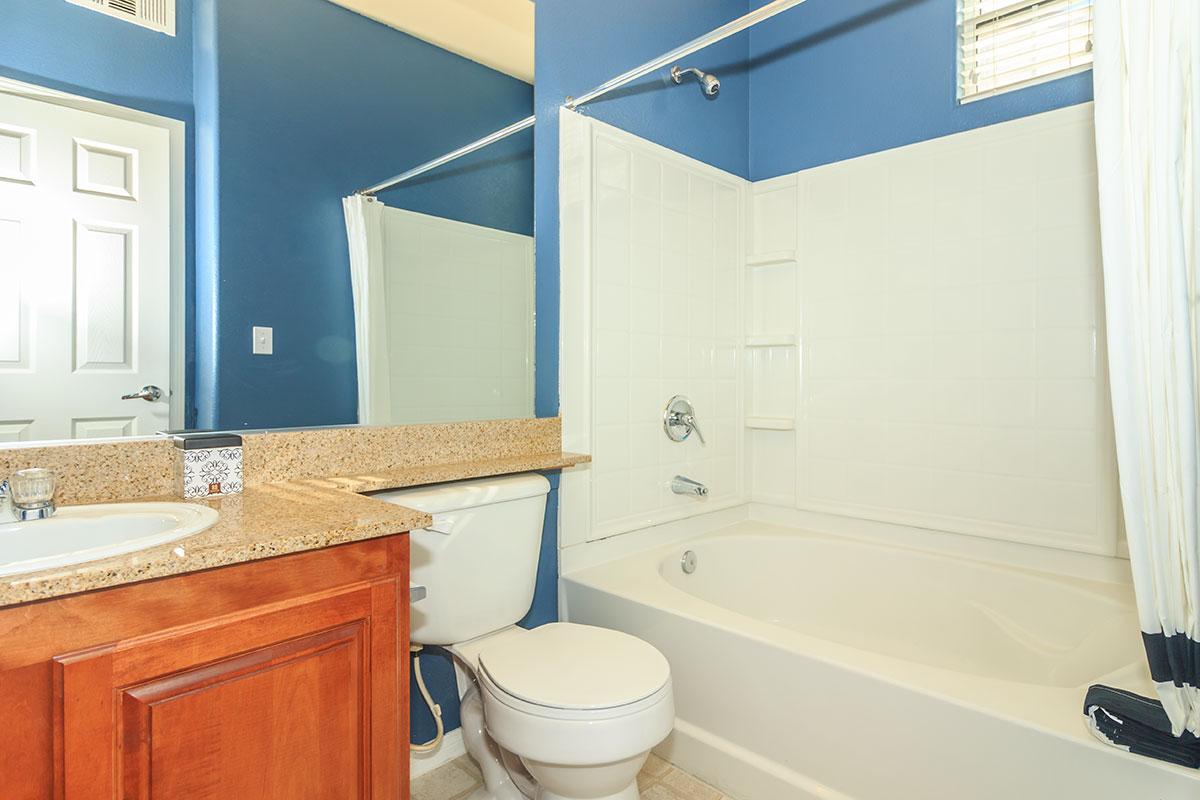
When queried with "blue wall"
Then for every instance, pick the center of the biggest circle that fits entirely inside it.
(835, 80)
(309, 102)
(76, 50)
(493, 187)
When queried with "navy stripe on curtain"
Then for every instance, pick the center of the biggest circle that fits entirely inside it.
(1139, 725)
(1173, 659)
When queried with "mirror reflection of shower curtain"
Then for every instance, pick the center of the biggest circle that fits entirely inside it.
(364, 230)
(443, 317)
(1147, 104)
(460, 319)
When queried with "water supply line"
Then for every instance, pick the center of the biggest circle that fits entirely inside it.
(434, 708)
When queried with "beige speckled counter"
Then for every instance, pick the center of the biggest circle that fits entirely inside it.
(274, 519)
(440, 473)
(101, 472)
(301, 490)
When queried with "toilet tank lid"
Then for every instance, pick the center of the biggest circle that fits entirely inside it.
(444, 497)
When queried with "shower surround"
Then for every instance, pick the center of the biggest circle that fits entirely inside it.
(651, 309)
(908, 349)
(913, 336)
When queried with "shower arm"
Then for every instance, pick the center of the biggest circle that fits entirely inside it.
(677, 73)
(712, 37)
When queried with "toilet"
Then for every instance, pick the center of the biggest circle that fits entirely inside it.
(558, 712)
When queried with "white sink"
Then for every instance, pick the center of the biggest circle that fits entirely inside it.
(86, 533)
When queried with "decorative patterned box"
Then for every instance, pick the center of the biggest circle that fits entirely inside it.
(209, 464)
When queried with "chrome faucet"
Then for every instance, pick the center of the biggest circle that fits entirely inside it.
(682, 485)
(29, 494)
(679, 420)
(6, 509)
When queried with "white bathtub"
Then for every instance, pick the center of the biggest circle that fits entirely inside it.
(809, 666)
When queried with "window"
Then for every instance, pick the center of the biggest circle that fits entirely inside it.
(1005, 45)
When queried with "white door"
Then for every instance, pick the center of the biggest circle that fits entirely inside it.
(85, 268)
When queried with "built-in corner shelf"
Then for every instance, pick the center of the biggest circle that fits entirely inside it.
(771, 340)
(771, 258)
(771, 423)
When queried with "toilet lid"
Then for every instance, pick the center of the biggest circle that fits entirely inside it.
(564, 665)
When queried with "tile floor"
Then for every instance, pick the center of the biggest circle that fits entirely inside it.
(658, 781)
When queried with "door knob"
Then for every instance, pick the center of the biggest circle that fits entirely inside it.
(149, 393)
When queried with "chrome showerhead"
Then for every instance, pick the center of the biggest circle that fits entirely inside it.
(708, 82)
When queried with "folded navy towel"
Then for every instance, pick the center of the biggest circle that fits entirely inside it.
(1139, 725)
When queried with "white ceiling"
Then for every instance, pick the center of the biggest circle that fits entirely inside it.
(496, 33)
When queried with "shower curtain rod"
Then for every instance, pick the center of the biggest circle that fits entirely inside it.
(712, 37)
(478, 144)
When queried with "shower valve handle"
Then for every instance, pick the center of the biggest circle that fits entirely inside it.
(690, 421)
(679, 420)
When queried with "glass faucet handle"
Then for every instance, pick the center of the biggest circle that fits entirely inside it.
(31, 488)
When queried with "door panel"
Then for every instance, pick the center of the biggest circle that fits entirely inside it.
(292, 702)
(279, 723)
(85, 261)
(14, 337)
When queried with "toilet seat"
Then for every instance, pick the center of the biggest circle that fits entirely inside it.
(614, 690)
(569, 671)
(496, 693)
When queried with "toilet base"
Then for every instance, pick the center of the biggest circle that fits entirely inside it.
(629, 793)
(597, 782)
(503, 776)
(506, 777)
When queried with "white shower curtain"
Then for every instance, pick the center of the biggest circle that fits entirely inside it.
(364, 230)
(1147, 103)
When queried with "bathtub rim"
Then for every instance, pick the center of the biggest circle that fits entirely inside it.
(1055, 561)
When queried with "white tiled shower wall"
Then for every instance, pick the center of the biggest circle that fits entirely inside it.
(918, 334)
(460, 319)
(659, 290)
(949, 310)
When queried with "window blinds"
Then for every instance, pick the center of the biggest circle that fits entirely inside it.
(1006, 45)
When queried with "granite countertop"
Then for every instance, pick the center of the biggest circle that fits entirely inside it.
(272, 519)
(440, 473)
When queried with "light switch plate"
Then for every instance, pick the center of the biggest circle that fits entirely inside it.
(264, 341)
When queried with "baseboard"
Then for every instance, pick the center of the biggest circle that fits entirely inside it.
(452, 747)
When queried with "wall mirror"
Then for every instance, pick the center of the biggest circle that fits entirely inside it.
(185, 243)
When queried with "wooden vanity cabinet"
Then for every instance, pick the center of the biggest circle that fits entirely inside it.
(279, 679)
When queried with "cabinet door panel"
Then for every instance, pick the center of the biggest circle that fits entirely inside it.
(278, 723)
(293, 700)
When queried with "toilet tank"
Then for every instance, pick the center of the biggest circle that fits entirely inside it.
(478, 561)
